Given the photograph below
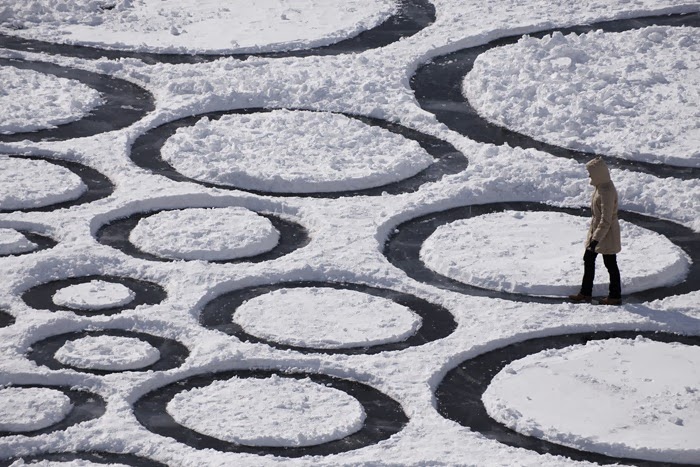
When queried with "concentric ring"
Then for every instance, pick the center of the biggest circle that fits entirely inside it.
(384, 416)
(459, 393)
(438, 323)
(42, 242)
(97, 457)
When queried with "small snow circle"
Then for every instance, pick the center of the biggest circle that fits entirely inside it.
(30, 409)
(111, 353)
(274, 411)
(540, 253)
(209, 234)
(94, 295)
(287, 151)
(13, 242)
(326, 318)
(633, 398)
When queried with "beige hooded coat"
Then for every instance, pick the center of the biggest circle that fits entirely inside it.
(605, 227)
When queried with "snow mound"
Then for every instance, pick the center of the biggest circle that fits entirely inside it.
(620, 397)
(73, 463)
(294, 152)
(209, 234)
(30, 409)
(326, 318)
(33, 101)
(111, 353)
(632, 94)
(540, 253)
(13, 242)
(268, 412)
(26, 183)
(94, 295)
(176, 26)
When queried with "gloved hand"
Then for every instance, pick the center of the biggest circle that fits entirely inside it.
(592, 245)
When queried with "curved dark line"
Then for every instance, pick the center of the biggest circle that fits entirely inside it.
(6, 319)
(146, 153)
(172, 353)
(403, 248)
(42, 242)
(438, 88)
(97, 457)
(437, 322)
(98, 186)
(86, 406)
(40, 296)
(412, 17)
(459, 394)
(384, 416)
(125, 103)
(116, 234)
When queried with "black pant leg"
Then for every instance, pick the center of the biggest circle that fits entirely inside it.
(615, 290)
(588, 272)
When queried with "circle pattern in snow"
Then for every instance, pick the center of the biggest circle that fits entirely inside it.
(208, 234)
(13, 242)
(223, 150)
(497, 251)
(94, 295)
(383, 416)
(461, 394)
(374, 320)
(108, 351)
(87, 459)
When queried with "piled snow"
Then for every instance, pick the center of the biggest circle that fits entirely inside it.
(632, 94)
(28, 183)
(540, 253)
(94, 295)
(268, 412)
(33, 101)
(211, 27)
(73, 463)
(326, 318)
(205, 234)
(293, 151)
(13, 242)
(112, 353)
(625, 398)
(29, 409)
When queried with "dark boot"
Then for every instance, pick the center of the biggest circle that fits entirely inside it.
(580, 298)
(610, 301)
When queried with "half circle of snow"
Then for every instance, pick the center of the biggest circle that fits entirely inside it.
(175, 26)
(268, 412)
(208, 234)
(13, 242)
(30, 409)
(326, 318)
(26, 183)
(540, 253)
(33, 101)
(111, 353)
(94, 295)
(620, 397)
(293, 151)
(632, 95)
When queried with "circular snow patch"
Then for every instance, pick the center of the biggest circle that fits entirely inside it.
(268, 412)
(112, 353)
(620, 397)
(631, 94)
(541, 253)
(33, 101)
(287, 151)
(30, 409)
(326, 318)
(94, 295)
(205, 234)
(27, 183)
(13, 242)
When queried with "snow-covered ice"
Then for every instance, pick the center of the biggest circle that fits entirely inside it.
(113, 353)
(13, 242)
(30, 409)
(94, 295)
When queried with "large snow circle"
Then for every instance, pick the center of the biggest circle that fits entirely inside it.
(285, 151)
(273, 411)
(110, 353)
(31, 409)
(210, 234)
(94, 295)
(540, 253)
(326, 318)
(34, 101)
(631, 94)
(634, 398)
(27, 183)
(13, 242)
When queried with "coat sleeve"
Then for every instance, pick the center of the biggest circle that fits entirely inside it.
(607, 209)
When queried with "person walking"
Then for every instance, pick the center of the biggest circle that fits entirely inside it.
(603, 236)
